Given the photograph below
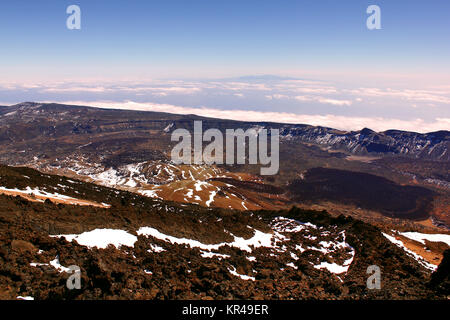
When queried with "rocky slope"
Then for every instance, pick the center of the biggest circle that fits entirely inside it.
(434, 145)
(130, 150)
(143, 248)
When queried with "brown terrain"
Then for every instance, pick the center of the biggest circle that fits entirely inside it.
(43, 198)
(110, 169)
(285, 269)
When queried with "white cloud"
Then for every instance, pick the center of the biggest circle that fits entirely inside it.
(318, 90)
(309, 98)
(324, 100)
(300, 90)
(405, 94)
(277, 96)
(159, 91)
(78, 89)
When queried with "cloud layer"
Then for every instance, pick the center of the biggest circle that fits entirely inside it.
(259, 98)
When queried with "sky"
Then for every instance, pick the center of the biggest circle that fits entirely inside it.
(310, 61)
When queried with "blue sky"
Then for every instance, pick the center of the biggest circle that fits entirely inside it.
(130, 44)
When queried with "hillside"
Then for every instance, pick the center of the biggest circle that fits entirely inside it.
(161, 250)
(129, 150)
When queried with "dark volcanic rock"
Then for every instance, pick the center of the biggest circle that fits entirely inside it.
(440, 279)
(363, 190)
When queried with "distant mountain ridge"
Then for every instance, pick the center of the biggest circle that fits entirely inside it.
(433, 145)
(428, 146)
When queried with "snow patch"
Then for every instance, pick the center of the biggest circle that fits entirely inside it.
(421, 237)
(101, 238)
(417, 257)
(242, 276)
(259, 239)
